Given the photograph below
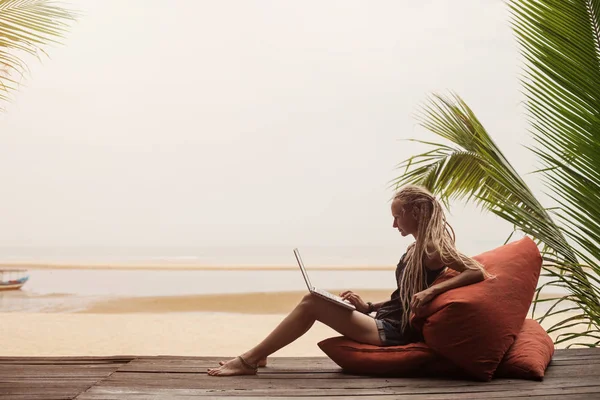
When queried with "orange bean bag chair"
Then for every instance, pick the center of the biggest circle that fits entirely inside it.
(470, 328)
(530, 354)
(527, 358)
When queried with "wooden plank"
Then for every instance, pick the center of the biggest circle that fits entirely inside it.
(316, 364)
(167, 395)
(201, 368)
(42, 383)
(558, 354)
(571, 370)
(193, 381)
(578, 352)
(574, 361)
(197, 366)
(24, 389)
(53, 379)
(583, 358)
(62, 367)
(572, 374)
(66, 360)
(301, 383)
(95, 371)
(210, 362)
(73, 361)
(37, 397)
(97, 393)
(132, 393)
(552, 393)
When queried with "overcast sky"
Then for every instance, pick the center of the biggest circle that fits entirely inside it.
(254, 122)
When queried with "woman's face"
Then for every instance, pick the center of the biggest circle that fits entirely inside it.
(404, 220)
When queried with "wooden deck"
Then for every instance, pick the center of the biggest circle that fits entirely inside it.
(573, 374)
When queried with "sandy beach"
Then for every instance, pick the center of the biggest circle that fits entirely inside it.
(211, 334)
(202, 334)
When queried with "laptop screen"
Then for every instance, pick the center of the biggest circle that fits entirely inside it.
(304, 273)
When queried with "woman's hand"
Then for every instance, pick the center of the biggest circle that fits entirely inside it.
(421, 298)
(356, 301)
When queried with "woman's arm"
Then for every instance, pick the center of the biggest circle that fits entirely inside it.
(377, 306)
(466, 277)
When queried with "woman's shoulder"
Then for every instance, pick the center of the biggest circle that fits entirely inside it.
(402, 261)
(407, 252)
(432, 259)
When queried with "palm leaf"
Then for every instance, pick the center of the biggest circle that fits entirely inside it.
(26, 27)
(562, 85)
(560, 42)
(475, 169)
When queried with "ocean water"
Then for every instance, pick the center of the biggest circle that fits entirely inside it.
(61, 290)
(134, 283)
(58, 290)
(68, 290)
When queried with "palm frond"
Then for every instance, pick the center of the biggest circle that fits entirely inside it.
(560, 43)
(560, 40)
(26, 27)
(475, 169)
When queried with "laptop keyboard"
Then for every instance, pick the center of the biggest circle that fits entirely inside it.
(331, 296)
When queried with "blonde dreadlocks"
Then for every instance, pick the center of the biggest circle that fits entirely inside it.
(434, 235)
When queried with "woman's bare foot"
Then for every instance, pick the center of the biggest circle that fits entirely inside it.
(261, 363)
(235, 366)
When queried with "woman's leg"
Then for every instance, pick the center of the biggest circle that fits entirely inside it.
(353, 324)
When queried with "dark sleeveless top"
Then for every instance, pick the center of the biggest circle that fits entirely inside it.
(391, 310)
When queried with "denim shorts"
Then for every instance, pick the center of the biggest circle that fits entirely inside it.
(389, 334)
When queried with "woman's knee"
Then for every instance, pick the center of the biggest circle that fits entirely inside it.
(309, 303)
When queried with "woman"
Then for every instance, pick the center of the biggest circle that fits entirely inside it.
(416, 212)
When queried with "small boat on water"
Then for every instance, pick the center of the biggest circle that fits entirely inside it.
(13, 279)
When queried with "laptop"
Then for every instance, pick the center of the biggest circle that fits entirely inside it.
(320, 292)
